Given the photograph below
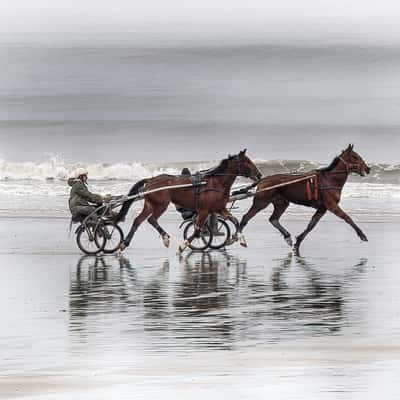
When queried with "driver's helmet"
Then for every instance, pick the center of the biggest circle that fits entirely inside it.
(76, 173)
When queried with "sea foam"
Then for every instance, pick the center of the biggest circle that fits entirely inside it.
(58, 169)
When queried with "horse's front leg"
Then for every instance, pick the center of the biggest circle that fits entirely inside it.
(238, 235)
(258, 205)
(200, 220)
(334, 208)
(147, 210)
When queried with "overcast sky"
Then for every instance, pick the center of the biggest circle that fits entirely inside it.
(366, 19)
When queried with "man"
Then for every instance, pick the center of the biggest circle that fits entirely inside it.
(185, 212)
(81, 201)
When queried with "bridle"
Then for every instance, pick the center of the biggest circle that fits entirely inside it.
(240, 173)
(245, 174)
(240, 170)
(350, 167)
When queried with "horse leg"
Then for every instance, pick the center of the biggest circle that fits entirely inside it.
(238, 235)
(201, 218)
(334, 208)
(153, 221)
(147, 210)
(280, 207)
(314, 220)
(256, 207)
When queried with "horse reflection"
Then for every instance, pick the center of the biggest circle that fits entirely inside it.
(314, 300)
(206, 283)
(202, 300)
(211, 300)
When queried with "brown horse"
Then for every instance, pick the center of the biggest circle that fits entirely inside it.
(324, 195)
(211, 197)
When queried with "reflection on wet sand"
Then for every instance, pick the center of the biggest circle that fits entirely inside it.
(315, 300)
(202, 299)
(97, 288)
(211, 300)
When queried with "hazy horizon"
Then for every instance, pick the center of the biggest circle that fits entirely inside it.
(315, 20)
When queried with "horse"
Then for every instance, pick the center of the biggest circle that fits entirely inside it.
(323, 196)
(211, 197)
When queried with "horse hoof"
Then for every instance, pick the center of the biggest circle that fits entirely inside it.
(242, 240)
(166, 240)
(230, 241)
(183, 246)
(289, 241)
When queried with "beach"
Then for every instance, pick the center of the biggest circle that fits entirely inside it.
(243, 323)
(248, 323)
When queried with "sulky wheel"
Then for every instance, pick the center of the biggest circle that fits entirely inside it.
(202, 241)
(88, 241)
(113, 235)
(221, 234)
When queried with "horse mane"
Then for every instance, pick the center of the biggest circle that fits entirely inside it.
(330, 166)
(219, 169)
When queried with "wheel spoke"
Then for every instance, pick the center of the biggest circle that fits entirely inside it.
(220, 235)
(87, 241)
(201, 241)
(114, 237)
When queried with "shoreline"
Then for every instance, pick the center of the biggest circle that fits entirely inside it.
(172, 215)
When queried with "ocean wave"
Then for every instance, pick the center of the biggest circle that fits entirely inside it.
(57, 169)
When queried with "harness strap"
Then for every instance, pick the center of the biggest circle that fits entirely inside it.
(212, 190)
(197, 185)
(345, 164)
(141, 194)
(331, 187)
(304, 178)
(316, 188)
(308, 189)
(312, 188)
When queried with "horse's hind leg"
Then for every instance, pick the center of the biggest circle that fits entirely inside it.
(280, 206)
(153, 221)
(314, 220)
(238, 235)
(147, 210)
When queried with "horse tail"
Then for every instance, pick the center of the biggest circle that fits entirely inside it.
(127, 204)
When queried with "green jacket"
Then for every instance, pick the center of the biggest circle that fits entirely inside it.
(80, 195)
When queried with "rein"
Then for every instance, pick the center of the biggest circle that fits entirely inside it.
(304, 178)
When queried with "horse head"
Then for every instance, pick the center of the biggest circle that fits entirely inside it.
(245, 167)
(353, 161)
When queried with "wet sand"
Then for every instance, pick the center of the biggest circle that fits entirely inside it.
(245, 323)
